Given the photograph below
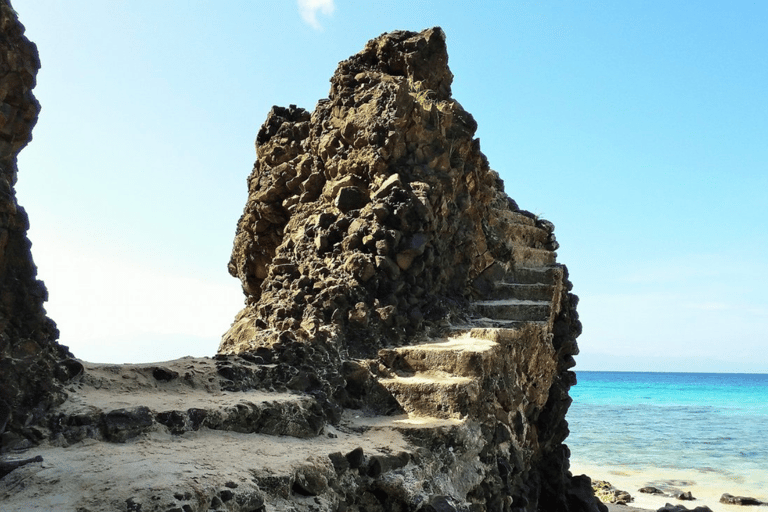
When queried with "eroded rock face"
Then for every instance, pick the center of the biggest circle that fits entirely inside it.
(368, 220)
(386, 270)
(31, 362)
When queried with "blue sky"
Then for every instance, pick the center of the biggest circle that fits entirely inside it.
(640, 128)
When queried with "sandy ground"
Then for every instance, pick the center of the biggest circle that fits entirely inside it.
(705, 487)
(79, 475)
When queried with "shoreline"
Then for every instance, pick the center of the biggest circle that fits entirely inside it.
(706, 487)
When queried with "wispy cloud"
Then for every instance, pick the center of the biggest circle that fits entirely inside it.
(309, 9)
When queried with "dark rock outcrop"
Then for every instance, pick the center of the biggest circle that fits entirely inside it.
(386, 270)
(32, 364)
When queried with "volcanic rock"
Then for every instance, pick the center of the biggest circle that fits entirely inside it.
(729, 499)
(607, 493)
(382, 262)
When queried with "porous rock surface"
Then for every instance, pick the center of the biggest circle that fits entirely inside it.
(386, 270)
(406, 342)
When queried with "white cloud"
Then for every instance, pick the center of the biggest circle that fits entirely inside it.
(309, 9)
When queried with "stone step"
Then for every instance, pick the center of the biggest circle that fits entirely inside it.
(483, 323)
(516, 218)
(215, 470)
(523, 274)
(529, 257)
(109, 416)
(358, 420)
(434, 393)
(527, 291)
(528, 235)
(513, 309)
(461, 355)
(513, 332)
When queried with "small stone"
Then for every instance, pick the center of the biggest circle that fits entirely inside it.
(164, 374)
(379, 464)
(309, 481)
(360, 314)
(340, 463)
(350, 198)
(360, 266)
(729, 499)
(389, 267)
(124, 424)
(355, 458)
(381, 212)
(386, 187)
(404, 260)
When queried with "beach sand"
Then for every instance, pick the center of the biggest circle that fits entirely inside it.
(705, 486)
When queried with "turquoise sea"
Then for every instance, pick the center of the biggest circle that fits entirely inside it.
(705, 431)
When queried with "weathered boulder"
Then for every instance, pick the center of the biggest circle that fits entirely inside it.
(729, 499)
(607, 493)
(32, 364)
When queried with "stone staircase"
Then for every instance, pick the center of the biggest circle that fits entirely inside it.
(507, 333)
(174, 436)
(116, 403)
(495, 366)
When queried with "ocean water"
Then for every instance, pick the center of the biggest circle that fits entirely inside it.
(702, 431)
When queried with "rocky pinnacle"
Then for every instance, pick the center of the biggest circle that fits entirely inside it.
(386, 270)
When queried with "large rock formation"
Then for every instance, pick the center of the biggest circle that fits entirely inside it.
(381, 258)
(405, 345)
(32, 364)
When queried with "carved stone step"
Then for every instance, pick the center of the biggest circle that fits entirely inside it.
(358, 420)
(491, 323)
(516, 218)
(513, 309)
(105, 415)
(534, 291)
(462, 355)
(521, 332)
(434, 393)
(529, 235)
(523, 274)
(530, 257)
